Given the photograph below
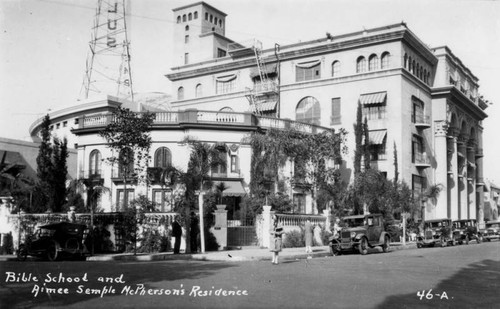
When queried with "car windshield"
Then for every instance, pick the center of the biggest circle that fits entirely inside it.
(43, 233)
(437, 224)
(353, 222)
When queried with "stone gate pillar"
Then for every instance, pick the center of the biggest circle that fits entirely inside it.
(220, 227)
(266, 226)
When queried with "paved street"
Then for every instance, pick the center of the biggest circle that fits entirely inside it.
(453, 277)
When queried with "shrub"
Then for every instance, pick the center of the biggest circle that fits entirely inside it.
(294, 239)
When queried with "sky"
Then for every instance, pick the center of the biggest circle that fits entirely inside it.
(44, 45)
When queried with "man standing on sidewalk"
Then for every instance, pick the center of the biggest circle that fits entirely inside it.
(177, 233)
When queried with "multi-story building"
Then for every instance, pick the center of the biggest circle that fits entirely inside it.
(422, 104)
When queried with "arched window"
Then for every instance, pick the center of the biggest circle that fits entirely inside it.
(190, 16)
(187, 28)
(425, 76)
(361, 65)
(184, 17)
(216, 20)
(373, 63)
(199, 91)
(178, 19)
(409, 64)
(95, 163)
(126, 162)
(384, 64)
(180, 93)
(211, 18)
(220, 23)
(308, 110)
(336, 68)
(406, 61)
(413, 69)
(163, 157)
(196, 15)
(418, 70)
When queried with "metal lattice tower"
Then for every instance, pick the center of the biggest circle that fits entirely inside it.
(108, 60)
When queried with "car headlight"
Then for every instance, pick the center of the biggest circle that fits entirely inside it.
(353, 234)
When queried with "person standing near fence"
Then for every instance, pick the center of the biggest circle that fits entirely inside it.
(177, 233)
(308, 235)
(277, 233)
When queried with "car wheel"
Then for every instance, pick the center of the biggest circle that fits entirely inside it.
(22, 253)
(419, 245)
(363, 246)
(387, 244)
(52, 251)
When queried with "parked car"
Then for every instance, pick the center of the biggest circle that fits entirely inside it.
(360, 233)
(466, 230)
(491, 230)
(55, 241)
(436, 232)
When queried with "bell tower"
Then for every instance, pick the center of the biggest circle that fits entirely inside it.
(199, 33)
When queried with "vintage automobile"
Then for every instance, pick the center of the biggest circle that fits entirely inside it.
(491, 230)
(437, 232)
(359, 233)
(466, 230)
(55, 241)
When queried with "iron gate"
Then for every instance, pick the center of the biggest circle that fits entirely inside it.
(241, 232)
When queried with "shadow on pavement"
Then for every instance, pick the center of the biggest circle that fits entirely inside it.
(151, 274)
(476, 286)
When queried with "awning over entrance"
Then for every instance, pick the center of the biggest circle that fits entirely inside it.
(377, 137)
(373, 98)
(235, 188)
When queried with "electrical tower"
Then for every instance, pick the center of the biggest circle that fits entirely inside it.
(108, 60)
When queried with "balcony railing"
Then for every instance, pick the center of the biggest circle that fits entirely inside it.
(421, 160)
(423, 121)
(193, 116)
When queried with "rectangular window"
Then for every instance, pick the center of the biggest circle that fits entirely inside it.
(374, 111)
(226, 86)
(65, 124)
(76, 120)
(58, 125)
(123, 200)
(336, 117)
(221, 53)
(304, 73)
(418, 185)
(417, 149)
(186, 39)
(163, 200)
(418, 111)
(378, 152)
(186, 58)
(234, 164)
(299, 203)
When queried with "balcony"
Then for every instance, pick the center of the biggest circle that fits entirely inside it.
(193, 117)
(91, 177)
(421, 160)
(421, 121)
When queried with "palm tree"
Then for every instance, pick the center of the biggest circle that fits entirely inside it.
(202, 158)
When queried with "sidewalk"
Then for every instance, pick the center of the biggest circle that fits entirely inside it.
(236, 255)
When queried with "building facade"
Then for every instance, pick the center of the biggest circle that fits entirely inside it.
(422, 105)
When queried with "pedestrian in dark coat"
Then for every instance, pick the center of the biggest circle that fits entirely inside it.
(194, 233)
(177, 234)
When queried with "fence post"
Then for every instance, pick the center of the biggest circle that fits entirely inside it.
(266, 226)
